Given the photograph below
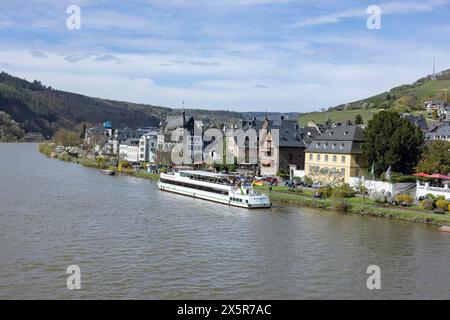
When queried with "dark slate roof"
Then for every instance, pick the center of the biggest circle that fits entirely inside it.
(290, 134)
(441, 131)
(418, 121)
(173, 122)
(439, 102)
(308, 134)
(97, 129)
(127, 133)
(342, 139)
(251, 124)
(131, 142)
(102, 141)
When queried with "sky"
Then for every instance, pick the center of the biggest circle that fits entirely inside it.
(240, 55)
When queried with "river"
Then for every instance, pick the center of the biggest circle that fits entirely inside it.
(132, 241)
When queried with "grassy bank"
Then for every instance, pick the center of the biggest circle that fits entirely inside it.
(355, 205)
(48, 149)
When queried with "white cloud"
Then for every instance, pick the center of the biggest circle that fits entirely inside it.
(396, 7)
(188, 3)
(7, 23)
(218, 82)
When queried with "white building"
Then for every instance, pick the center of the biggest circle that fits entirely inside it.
(148, 144)
(434, 105)
(426, 188)
(444, 111)
(129, 150)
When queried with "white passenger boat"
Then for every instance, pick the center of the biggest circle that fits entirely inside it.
(214, 187)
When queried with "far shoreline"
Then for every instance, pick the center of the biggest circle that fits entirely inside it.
(296, 197)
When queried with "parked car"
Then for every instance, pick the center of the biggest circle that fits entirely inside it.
(289, 183)
(316, 185)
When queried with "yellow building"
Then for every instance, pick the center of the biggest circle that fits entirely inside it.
(336, 155)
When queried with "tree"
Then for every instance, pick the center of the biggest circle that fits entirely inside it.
(435, 115)
(392, 141)
(359, 119)
(435, 158)
(83, 131)
(67, 138)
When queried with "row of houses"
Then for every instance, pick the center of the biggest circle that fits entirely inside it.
(330, 153)
(441, 107)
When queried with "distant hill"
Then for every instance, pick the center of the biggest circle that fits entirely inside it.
(404, 98)
(36, 108)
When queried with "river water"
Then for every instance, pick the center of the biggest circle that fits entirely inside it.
(132, 241)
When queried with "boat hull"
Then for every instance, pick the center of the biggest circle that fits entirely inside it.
(205, 195)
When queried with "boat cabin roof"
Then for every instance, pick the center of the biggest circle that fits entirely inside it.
(205, 174)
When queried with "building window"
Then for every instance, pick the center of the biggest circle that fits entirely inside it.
(343, 171)
(310, 156)
(333, 146)
(334, 158)
(326, 158)
(357, 172)
(317, 145)
(342, 159)
(318, 157)
(358, 160)
(341, 146)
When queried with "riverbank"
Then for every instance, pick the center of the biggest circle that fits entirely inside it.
(290, 196)
(48, 150)
(355, 205)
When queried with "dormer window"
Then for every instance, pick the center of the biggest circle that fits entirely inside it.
(345, 133)
(333, 146)
(325, 145)
(341, 146)
(317, 145)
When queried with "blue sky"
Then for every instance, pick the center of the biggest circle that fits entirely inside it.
(244, 55)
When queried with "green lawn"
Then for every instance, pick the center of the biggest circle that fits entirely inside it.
(289, 196)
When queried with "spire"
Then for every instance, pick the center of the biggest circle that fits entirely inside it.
(184, 116)
(434, 68)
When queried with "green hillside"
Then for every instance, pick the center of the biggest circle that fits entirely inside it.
(405, 98)
(336, 116)
(30, 107)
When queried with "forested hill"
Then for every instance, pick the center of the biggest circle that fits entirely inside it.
(36, 108)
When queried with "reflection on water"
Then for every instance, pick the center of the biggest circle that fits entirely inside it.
(133, 241)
